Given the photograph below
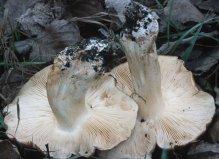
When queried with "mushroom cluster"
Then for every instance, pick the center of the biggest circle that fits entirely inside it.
(75, 107)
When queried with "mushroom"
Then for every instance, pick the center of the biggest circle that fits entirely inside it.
(172, 110)
(72, 107)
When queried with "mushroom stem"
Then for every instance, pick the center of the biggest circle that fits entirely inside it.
(138, 41)
(66, 94)
(145, 74)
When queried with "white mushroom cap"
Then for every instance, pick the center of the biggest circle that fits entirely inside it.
(184, 117)
(187, 110)
(72, 109)
(101, 118)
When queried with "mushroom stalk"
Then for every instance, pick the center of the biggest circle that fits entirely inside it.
(145, 75)
(138, 41)
(66, 94)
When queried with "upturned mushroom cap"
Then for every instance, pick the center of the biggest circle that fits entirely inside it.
(187, 109)
(90, 107)
(72, 108)
(185, 115)
(172, 111)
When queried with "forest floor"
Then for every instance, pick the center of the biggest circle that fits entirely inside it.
(32, 32)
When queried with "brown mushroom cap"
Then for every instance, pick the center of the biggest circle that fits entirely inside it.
(73, 110)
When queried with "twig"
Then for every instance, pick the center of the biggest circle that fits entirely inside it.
(215, 71)
(18, 115)
(3, 97)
